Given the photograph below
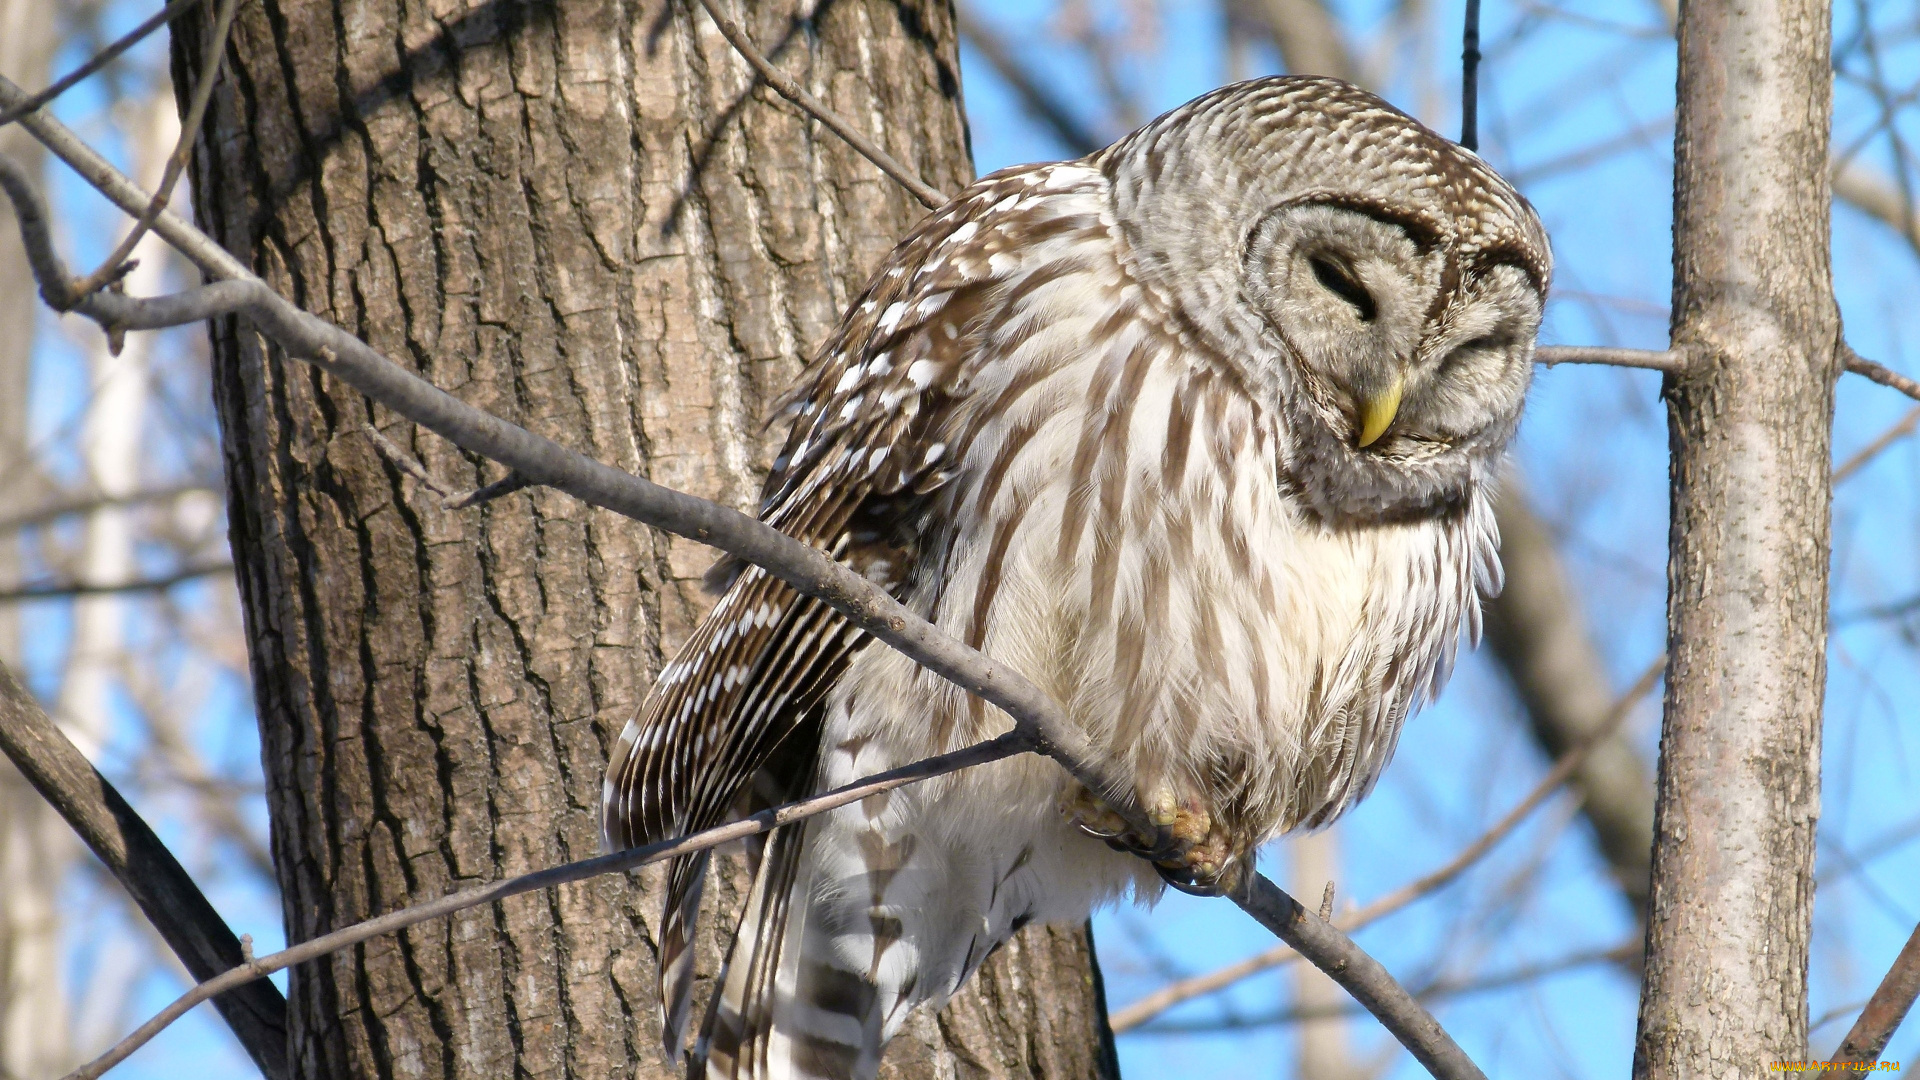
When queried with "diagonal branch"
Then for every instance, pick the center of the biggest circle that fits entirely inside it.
(100, 60)
(1036, 716)
(1879, 373)
(1439, 988)
(114, 266)
(1885, 1010)
(143, 865)
(257, 968)
(791, 89)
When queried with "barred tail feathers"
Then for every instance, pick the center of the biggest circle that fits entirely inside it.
(828, 960)
(686, 878)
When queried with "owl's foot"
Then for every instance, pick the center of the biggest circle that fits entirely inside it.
(1189, 850)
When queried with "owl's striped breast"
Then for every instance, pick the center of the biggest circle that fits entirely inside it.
(1118, 531)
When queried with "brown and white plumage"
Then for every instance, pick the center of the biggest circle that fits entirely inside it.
(1197, 434)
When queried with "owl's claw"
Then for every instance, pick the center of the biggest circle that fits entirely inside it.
(1188, 849)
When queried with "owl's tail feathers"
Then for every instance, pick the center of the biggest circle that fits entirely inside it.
(799, 1000)
(686, 878)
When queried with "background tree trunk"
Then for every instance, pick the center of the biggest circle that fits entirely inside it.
(36, 847)
(1749, 425)
(583, 217)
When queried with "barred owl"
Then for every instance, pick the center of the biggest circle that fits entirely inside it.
(1197, 433)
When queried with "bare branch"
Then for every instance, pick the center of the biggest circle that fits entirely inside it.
(99, 173)
(249, 972)
(100, 60)
(1879, 373)
(66, 589)
(1470, 78)
(1551, 355)
(1439, 988)
(506, 485)
(1359, 973)
(1885, 1010)
(1862, 457)
(88, 502)
(114, 266)
(1167, 997)
(788, 88)
(144, 867)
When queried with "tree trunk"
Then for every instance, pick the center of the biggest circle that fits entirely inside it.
(1749, 423)
(583, 217)
(36, 848)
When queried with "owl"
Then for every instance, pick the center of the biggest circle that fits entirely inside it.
(1198, 433)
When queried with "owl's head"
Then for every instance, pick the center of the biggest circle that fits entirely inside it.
(1376, 285)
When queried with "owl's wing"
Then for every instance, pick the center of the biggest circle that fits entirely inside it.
(877, 425)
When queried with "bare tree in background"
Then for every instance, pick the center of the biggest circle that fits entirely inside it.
(36, 847)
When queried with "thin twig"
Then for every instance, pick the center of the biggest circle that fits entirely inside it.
(1139, 1012)
(452, 500)
(100, 59)
(785, 85)
(1014, 742)
(1885, 1010)
(100, 174)
(1436, 989)
(61, 590)
(115, 266)
(1862, 457)
(143, 865)
(72, 504)
(1550, 355)
(1879, 373)
(1470, 79)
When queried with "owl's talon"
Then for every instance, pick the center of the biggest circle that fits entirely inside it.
(1188, 849)
(1201, 879)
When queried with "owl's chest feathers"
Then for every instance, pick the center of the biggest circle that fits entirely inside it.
(1125, 542)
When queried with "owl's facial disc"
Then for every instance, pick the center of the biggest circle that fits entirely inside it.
(1400, 360)
(1350, 293)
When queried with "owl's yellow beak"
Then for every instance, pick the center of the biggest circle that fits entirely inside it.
(1378, 411)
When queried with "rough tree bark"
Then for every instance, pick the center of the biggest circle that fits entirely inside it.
(583, 217)
(1749, 423)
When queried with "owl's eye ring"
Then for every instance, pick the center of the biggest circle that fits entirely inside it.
(1339, 281)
